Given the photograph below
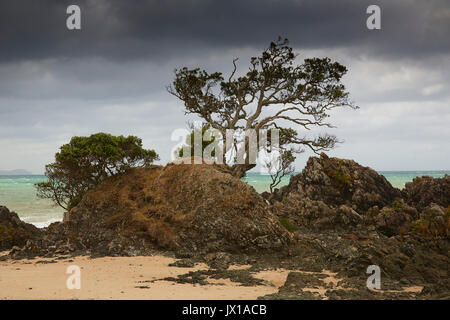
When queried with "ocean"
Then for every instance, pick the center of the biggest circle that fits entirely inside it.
(396, 178)
(18, 193)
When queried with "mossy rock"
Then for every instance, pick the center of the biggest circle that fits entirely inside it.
(285, 222)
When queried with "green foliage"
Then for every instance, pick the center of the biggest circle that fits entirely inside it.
(191, 143)
(285, 222)
(85, 162)
(386, 212)
(397, 205)
(429, 226)
(341, 179)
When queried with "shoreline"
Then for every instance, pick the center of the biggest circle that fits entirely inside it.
(123, 278)
(56, 214)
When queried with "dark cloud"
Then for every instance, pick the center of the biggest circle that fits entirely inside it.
(135, 29)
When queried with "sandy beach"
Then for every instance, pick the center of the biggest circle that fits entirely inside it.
(139, 278)
(122, 278)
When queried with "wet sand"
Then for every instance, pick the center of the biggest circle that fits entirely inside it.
(138, 278)
(121, 278)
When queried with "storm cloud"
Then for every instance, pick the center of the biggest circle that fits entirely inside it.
(111, 75)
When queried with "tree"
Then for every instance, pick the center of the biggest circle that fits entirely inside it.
(85, 162)
(199, 144)
(280, 168)
(274, 93)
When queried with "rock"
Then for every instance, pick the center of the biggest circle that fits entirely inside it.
(434, 222)
(396, 219)
(341, 195)
(219, 260)
(348, 216)
(183, 263)
(439, 290)
(293, 288)
(423, 191)
(196, 208)
(14, 250)
(13, 231)
(338, 182)
(350, 236)
(332, 193)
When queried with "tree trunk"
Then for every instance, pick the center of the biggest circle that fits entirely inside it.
(239, 170)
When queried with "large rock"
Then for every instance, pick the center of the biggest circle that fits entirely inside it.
(333, 193)
(425, 190)
(189, 208)
(394, 220)
(339, 182)
(13, 231)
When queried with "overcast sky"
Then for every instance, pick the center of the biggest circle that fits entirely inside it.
(111, 75)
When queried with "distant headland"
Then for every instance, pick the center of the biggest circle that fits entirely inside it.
(15, 172)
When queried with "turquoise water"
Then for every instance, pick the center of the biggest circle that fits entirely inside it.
(399, 178)
(18, 193)
(396, 178)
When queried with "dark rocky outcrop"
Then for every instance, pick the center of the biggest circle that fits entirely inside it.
(13, 231)
(423, 191)
(333, 193)
(339, 194)
(349, 217)
(395, 219)
(185, 208)
(339, 182)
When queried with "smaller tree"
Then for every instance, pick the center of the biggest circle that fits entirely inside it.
(199, 144)
(278, 169)
(85, 162)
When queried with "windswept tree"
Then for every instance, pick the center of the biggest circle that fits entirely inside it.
(85, 162)
(274, 93)
(281, 167)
